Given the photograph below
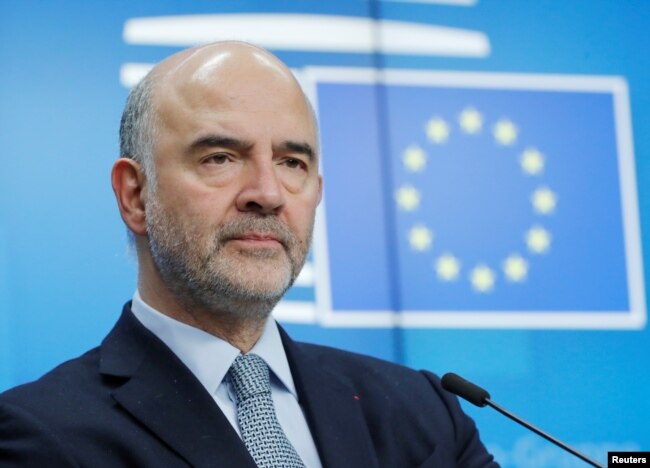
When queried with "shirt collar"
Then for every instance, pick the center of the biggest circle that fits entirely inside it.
(269, 347)
(207, 356)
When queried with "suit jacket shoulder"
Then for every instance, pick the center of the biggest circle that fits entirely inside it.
(130, 402)
(410, 420)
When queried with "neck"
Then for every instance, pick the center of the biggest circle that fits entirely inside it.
(238, 322)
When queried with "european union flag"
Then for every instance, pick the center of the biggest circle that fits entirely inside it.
(479, 200)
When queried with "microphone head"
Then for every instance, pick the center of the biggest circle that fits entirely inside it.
(467, 390)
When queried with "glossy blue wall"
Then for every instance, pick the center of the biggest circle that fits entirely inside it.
(65, 269)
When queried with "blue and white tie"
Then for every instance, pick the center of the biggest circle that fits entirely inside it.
(260, 429)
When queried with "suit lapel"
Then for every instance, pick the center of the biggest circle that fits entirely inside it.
(334, 415)
(166, 398)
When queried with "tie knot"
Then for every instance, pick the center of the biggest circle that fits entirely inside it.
(249, 376)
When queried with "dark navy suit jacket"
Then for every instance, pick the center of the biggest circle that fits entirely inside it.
(131, 402)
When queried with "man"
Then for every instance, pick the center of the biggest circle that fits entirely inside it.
(218, 185)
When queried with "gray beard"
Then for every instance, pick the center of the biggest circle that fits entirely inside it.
(203, 278)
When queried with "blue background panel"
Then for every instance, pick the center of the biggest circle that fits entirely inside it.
(65, 269)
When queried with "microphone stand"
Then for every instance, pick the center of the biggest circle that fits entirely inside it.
(539, 432)
(478, 396)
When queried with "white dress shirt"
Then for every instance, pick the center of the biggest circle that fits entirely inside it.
(209, 358)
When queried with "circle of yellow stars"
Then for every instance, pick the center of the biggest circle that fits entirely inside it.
(448, 268)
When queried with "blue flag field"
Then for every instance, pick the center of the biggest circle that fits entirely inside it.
(476, 200)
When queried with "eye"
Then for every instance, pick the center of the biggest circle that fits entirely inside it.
(219, 159)
(295, 163)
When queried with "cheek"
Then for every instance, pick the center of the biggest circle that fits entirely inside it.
(191, 197)
(301, 217)
(217, 175)
(294, 180)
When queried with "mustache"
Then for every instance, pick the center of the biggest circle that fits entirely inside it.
(262, 225)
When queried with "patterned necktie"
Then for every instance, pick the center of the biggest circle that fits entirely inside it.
(259, 425)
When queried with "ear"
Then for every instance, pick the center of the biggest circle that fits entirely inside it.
(128, 180)
(320, 189)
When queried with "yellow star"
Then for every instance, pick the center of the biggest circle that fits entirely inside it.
(505, 132)
(482, 279)
(447, 267)
(437, 130)
(544, 200)
(420, 238)
(515, 268)
(532, 161)
(408, 198)
(414, 158)
(538, 240)
(471, 120)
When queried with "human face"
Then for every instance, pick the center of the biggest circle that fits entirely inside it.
(237, 185)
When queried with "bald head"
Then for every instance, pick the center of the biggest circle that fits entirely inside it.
(222, 60)
(222, 70)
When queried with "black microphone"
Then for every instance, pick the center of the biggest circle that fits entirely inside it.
(480, 397)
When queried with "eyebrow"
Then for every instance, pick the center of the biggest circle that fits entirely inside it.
(298, 147)
(212, 141)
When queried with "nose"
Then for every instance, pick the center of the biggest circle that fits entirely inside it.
(261, 190)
